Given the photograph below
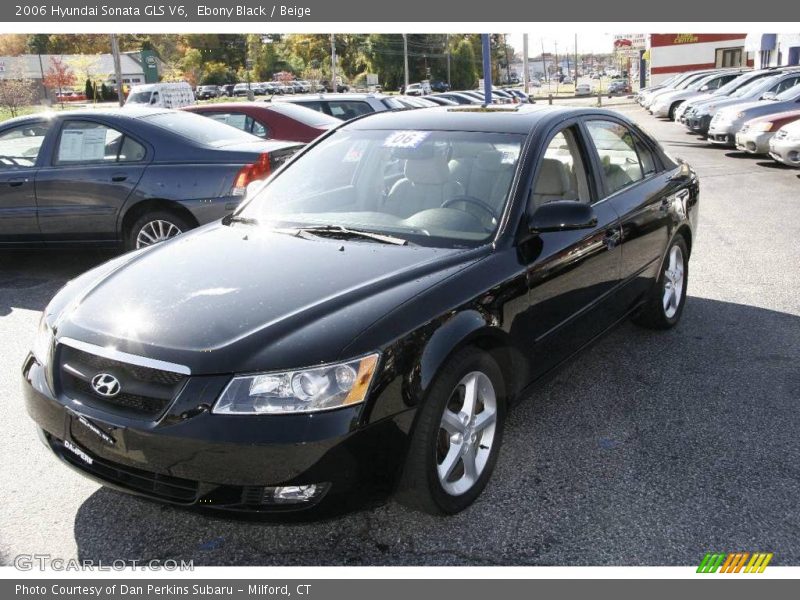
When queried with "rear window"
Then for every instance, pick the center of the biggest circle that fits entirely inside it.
(307, 116)
(199, 129)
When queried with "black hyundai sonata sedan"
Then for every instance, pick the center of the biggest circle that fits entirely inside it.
(369, 314)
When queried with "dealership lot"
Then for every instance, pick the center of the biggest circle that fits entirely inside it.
(650, 448)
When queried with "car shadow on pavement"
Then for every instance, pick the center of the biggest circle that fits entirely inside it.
(649, 448)
(29, 279)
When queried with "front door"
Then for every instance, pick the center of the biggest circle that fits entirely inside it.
(572, 274)
(93, 170)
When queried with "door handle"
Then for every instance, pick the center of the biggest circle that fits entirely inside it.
(118, 178)
(612, 238)
(17, 181)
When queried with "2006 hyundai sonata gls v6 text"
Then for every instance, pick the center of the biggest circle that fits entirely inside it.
(369, 314)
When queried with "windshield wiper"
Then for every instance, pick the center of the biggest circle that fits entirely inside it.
(239, 219)
(344, 232)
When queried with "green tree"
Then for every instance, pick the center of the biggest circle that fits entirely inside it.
(216, 73)
(463, 72)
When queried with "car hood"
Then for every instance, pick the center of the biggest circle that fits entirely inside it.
(761, 107)
(241, 298)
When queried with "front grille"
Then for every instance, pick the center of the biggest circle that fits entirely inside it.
(144, 391)
(164, 487)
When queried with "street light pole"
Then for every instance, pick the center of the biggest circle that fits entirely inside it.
(487, 69)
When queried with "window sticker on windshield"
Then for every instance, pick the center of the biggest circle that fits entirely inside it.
(405, 139)
(355, 152)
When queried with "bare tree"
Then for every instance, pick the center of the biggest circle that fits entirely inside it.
(16, 92)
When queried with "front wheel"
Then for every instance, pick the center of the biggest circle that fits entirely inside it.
(664, 306)
(457, 436)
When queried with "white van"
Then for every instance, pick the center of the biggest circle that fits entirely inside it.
(161, 95)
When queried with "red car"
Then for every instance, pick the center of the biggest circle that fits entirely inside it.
(279, 120)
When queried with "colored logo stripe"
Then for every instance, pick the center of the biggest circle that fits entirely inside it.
(734, 562)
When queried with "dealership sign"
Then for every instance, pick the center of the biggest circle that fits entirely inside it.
(630, 41)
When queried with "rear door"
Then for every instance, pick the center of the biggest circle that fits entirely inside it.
(93, 170)
(20, 148)
(637, 186)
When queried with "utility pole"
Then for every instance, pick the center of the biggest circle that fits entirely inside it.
(544, 63)
(525, 62)
(447, 47)
(487, 69)
(117, 68)
(576, 59)
(508, 62)
(405, 61)
(334, 86)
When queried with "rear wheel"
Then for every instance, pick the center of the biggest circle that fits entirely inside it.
(457, 437)
(668, 296)
(154, 227)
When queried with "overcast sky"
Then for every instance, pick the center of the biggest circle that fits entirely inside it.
(587, 42)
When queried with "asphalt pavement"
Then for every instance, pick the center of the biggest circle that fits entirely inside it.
(648, 449)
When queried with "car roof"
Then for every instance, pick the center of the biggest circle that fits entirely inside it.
(516, 118)
(130, 112)
(347, 96)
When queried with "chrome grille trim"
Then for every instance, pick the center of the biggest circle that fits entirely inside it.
(124, 357)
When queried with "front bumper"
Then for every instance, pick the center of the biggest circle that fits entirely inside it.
(195, 458)
(754, 142)
(723, 135)
(785, 151)
(698, 124)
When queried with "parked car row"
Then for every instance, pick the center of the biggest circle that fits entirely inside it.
(754, 111)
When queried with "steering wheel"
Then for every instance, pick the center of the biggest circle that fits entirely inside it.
(474, 201)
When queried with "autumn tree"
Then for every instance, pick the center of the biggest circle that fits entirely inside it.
(59, 75)
(13, 44)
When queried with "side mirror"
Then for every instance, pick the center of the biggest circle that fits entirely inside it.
(562, 215)
(768, 95)
(705, 88)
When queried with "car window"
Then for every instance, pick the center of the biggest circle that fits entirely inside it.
(238, 120)
(616, 147)
(348, 109)
(786, 84)
(561, 174)
(20, 146)
(198, 129)
(88, 142)
(257, 128)
(131, 150)
(315, 105)
(304, 114)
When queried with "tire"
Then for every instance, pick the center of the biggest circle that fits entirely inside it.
(169, 223)
(431, 446)
(672, 109)
(663, 309)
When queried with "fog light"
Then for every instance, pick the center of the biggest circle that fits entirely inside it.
(295, 494)
(285, 494)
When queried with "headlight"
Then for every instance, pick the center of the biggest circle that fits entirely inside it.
(765, 126)
(301, 391)
(43, 343)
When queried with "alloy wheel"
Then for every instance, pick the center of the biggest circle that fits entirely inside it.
(156, 231)
(466, 433)
(673, 282)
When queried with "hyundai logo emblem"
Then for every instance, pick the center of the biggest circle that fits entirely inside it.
(105, 385)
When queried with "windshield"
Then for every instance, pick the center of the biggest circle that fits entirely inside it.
(756, 86)
(688, 82)
(200, 129)
(434, 188)
(139, 98)
(790, 94)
